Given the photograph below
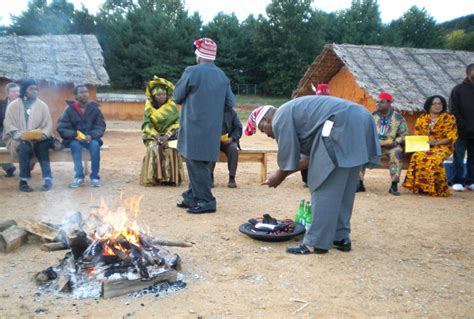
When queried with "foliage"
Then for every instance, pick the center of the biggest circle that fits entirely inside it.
(142, 38)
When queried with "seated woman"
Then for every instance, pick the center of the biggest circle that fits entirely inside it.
(426, 172)
(162, 164)
(28, 132)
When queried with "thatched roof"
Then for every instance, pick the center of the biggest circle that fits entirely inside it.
(411, 75)
(73, 59)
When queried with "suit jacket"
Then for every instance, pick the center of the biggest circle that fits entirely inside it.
(233, 126)
(204, 92)
(90, 123)
(297, 126)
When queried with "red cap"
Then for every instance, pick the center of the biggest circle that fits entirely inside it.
(386, 96)
(322, 89)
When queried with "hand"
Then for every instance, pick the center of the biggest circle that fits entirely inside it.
(433, 142)
(163, 140)
(386, 144)
(275, 179)
(88, 138)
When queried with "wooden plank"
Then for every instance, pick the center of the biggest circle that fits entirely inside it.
(63, 155)
(58, 245)
(114, 288)
(42, 230)
(12, 238)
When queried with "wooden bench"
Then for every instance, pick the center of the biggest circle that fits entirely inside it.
(63, 155)
(253, 155)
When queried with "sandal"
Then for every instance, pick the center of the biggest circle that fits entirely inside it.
(302, 249)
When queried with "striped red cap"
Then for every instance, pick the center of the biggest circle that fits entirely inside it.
(205, 48)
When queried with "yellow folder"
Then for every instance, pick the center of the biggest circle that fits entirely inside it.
(34, 135)
(416, 143)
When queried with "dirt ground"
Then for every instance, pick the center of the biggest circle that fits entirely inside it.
(411, 254)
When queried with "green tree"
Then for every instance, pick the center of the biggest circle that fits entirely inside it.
(416, 28)
(286, 43)
(459, 40)
(360, 24)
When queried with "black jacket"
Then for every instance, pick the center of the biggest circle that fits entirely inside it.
(90, 123)
(461, 105)
(232, 125)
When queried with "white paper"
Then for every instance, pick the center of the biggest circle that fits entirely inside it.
(327, 127)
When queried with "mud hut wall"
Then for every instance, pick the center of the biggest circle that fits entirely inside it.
(114, 110)
(344, 85)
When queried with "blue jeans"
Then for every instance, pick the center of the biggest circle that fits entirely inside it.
(40, 149)
(94, 151)
(460, 148)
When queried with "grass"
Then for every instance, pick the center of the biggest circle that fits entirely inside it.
(260, 100)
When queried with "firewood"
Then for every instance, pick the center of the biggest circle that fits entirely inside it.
(114, 288)
(57, 245)
(4, 225)
(12, 238)
(42, 230)
(149, 240)
(78, 243)
(63, 282)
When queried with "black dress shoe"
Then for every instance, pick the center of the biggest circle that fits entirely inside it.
(342, 245)
(47, 185)
(302, 249)
(183, 204)
(200, 210)
(394, 191)
(24, 187)
(10, 172)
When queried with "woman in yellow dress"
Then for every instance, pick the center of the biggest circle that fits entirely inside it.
(426, 173)
(162, 164)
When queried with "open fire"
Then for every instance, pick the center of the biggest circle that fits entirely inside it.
(110, 255)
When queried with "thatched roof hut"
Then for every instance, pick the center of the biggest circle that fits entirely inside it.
(56, 62)
(359, 73)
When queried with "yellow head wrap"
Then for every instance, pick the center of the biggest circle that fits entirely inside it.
(157, 85)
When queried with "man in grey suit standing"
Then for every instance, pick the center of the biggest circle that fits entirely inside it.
(204, 92)
(333, 138)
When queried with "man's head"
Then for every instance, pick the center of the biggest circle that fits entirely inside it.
(384, 102)
(205, 50)
(263, 113)
(81, 93)
(29, 90)
(13, 91)
(470, 72)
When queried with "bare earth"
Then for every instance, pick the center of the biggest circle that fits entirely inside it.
(411, 254)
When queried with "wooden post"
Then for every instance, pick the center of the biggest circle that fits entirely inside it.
(12, 238)
(263, 168)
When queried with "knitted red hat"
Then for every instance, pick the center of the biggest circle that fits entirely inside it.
(205, 48)
(386, 96)
(255, 118)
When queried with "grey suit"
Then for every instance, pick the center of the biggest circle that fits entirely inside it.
(334, 160)
(204, 92)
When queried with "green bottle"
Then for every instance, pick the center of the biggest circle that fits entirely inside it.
(300, 213)
(307, 215)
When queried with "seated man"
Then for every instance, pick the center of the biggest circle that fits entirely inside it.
(28, 132)
(231, 134)
(81, 126)
(392, 129)
(12, 90)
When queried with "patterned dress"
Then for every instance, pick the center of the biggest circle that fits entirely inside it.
(160, 164)
(426, 173)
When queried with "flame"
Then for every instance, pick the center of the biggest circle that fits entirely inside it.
(113, 227)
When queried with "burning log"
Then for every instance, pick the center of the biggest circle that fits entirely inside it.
(6, 224)
(163, 242)
(78, 243)
(12, 238)
(114, 288)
